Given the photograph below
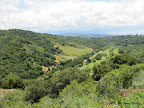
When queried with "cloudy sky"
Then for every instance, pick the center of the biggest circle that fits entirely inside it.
(87, 16)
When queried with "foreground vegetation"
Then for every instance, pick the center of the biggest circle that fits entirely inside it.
(104, 72)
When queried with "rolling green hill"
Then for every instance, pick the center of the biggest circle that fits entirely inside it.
(39, 70)
(24, 52)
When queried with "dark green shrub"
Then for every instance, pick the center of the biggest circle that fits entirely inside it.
(37, 90)
(63, 78)
(113, 63)
(99, 56)
(12, 81)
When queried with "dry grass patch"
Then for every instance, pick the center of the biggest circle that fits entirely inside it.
(4, 91)
(45, 69)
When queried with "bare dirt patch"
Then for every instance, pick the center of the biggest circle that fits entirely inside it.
(51, 67)
(55, 46)
(57, 61)
(85, 61)
(45, 69)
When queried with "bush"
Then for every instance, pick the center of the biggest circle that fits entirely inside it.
(14, 99)
(12, 81)
(37, 90)
(78, 95)
(113, 81)
(63, 78)
(124, 59)
(113, 63)
(99, 56)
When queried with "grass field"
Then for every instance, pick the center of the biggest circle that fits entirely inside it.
(106, 52)
(74, 52)
(66, 57)
(71, 52)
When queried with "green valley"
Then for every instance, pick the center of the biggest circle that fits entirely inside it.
(39, 70)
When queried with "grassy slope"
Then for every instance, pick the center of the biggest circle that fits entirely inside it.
(29, 46)
(139, 79)
(107, 52)
(72, 52)
(4, 91)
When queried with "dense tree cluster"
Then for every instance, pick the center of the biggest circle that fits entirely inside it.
(123, 40)
(113, 63)
(136, 51)
(24, 52)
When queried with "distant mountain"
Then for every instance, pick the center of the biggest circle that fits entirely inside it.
(83, 35)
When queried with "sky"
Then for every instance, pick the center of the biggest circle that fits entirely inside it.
(74, 16)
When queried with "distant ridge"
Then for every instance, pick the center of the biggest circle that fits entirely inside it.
(84, 35)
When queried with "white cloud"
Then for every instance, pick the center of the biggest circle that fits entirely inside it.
(70, 14)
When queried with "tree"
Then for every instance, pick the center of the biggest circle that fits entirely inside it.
(113, 63)
(63, 78)
(37, 90)
(12, 81)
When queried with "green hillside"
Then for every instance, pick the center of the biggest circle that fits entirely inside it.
(39, 70)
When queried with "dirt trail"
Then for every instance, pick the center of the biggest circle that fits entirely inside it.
(93, 56)
(57, 61)
(100, 52)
